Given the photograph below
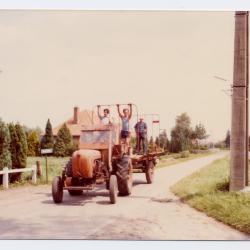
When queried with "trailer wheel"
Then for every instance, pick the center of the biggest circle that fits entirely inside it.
(124, 175)
(113, 189)
(149, 172)
(75, 192)
(57, 189)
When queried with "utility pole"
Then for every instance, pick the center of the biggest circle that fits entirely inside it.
(239, 125)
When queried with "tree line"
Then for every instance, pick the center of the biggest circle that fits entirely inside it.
(17, 142)
(183, 136)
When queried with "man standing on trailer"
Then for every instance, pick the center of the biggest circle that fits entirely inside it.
(125, 118)
(141, 136)
(105, 119)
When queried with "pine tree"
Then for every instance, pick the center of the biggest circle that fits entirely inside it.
(22, 148)
(157, 142)
(33, 143)
(59, 147)
(13, 145)
(65, 136)
(48, 138)
(5, 155)
(151, 141)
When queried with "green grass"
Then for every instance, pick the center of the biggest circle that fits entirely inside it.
(208, 191)
(171, 159)
(54, 167)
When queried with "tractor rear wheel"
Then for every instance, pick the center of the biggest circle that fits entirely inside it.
(68, 169)
(150, 172)
(57, 189)
(113, 189)
(75, 192)
(124, 175)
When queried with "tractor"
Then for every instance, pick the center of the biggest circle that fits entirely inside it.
(102, 158)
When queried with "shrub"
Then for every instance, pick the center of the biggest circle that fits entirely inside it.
(184, 154)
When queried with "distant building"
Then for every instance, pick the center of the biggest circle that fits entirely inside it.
(75, 123)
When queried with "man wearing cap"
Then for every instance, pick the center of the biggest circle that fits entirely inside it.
(141, 135)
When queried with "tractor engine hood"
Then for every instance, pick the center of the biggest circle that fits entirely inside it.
(83, 162)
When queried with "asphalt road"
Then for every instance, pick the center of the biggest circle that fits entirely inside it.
(152, 212)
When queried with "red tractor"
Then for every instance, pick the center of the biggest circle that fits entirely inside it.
(102, 158)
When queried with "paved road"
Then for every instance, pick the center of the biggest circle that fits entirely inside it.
(151, 212)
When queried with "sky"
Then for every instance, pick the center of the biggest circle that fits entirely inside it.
(163, 61)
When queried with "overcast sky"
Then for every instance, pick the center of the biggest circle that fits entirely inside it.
(160, 60)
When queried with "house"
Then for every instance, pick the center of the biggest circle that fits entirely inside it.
(77, 121)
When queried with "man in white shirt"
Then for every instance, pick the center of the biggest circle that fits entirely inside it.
(105, 118)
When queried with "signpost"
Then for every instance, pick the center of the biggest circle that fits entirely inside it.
(45, 152)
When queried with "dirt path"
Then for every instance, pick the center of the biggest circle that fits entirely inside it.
(151, 212)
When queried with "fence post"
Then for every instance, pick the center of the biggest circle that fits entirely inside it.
(33, 180)
(5, 178)
(39, 168)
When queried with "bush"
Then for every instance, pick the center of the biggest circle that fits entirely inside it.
(184, 154)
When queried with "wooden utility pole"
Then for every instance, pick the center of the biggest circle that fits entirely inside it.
(239, 125)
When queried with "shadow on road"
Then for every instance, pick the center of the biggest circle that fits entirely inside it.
(139, 182)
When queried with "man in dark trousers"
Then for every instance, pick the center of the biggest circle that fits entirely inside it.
(141, 136)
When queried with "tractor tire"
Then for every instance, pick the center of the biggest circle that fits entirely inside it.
(57, 189)
(107, 184)
(124, 175)
(68, 169)
(75, 192)
(150, 172)
(113, 189)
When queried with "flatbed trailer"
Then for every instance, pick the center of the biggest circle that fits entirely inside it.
(146, 164)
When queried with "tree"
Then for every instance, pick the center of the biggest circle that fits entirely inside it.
(59, 147)
(181, 133)
(151, 141)
(21, 147)
(48, 138)
(5, 155)
(200, 132)
(33, 143)
(157, 141)
(64, 136)
(13, 144)
(163, 140)
(227, 140)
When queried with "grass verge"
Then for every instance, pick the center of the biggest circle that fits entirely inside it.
(208, 191)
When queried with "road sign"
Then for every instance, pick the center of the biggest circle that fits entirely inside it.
(47, 151)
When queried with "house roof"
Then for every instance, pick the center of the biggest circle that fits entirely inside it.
(84, 119)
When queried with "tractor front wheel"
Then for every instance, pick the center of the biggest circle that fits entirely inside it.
(57, 189)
